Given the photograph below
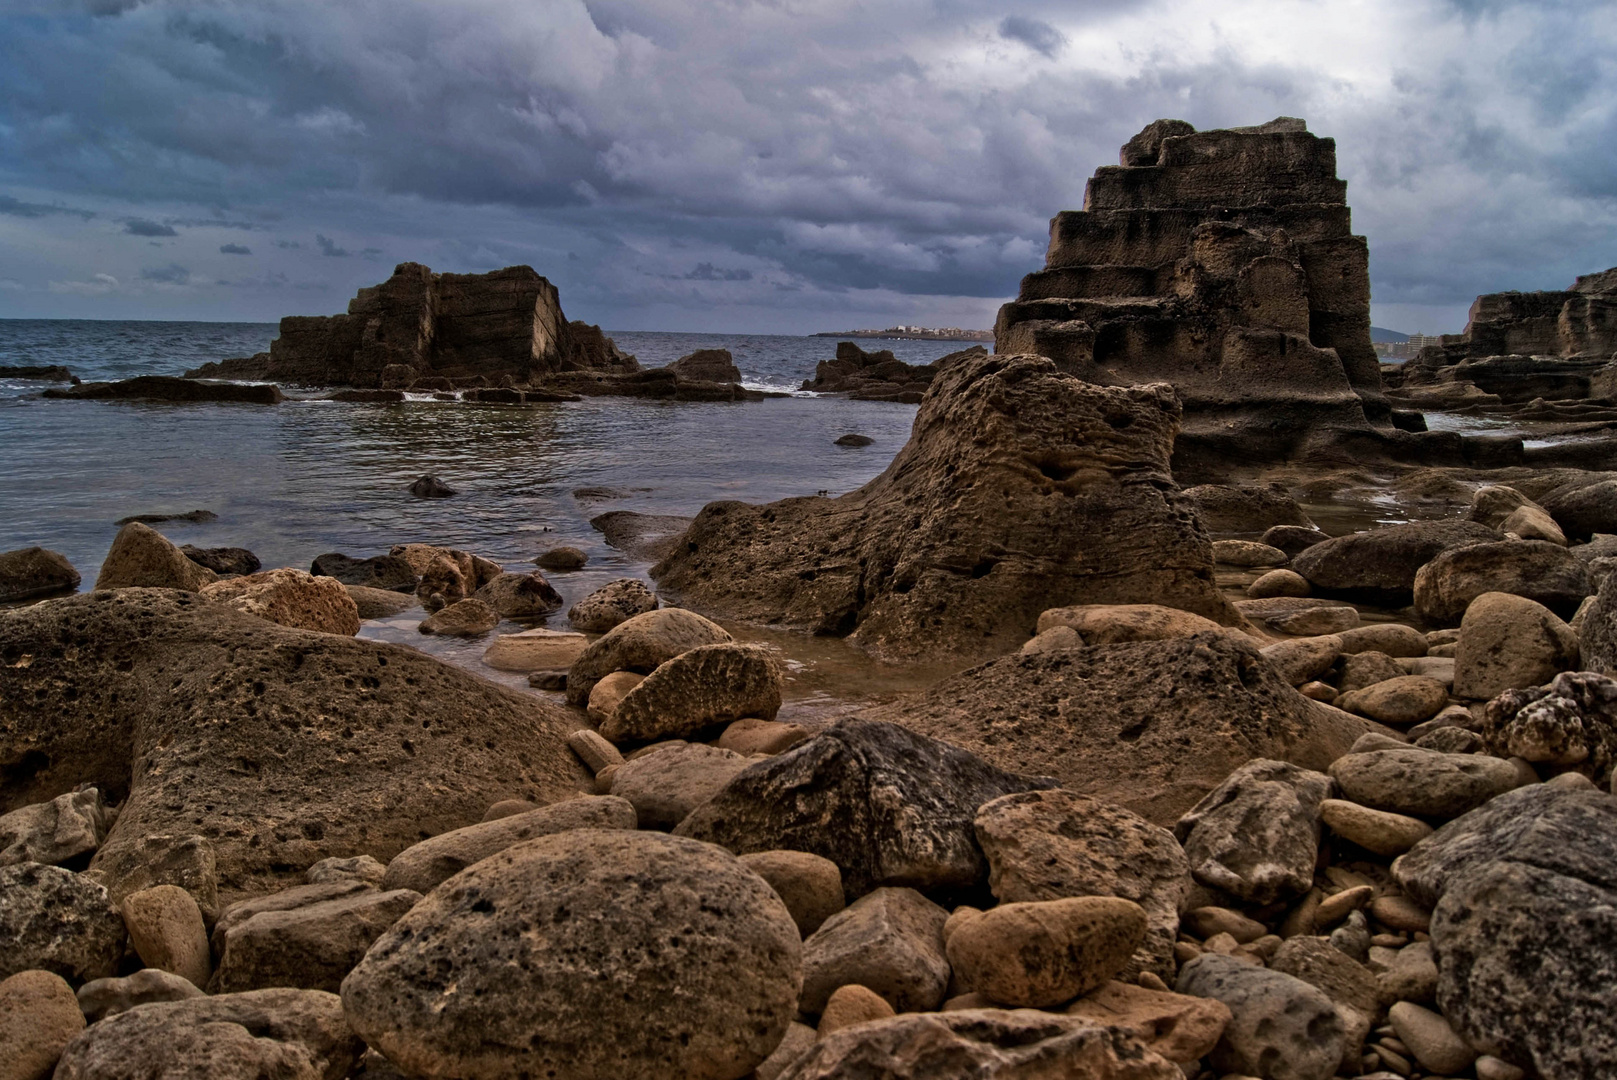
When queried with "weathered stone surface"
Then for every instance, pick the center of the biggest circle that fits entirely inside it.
(1256, 835)
(1401, 700)
(1597, 630)
(390, 572)
(299, 745)
(1048, 845)
(1180, 1027)
(810, 887)
(707, 365)
(1584, 509)
(889, 941)
(55, 832)
(1507, 642)
(1279, 583)
(1303, 660)
(38, 1017)
(985, 519)
(361, 868)
(1293, 538)
(594, 751)
(520, 596)
(165, 928)
(561, 558)
(1422, 783)
(1571, 723)
(101, 998)
(1046, 952)
(1315, 621)
(142, 557)
(265, 1033)
(1412, 976)
(608, 693)
(470, 617)
(284, 900)
(1149, 726)
(290, 598)
(313, 946)
(1247, 553)
(186, 860)
(850, 1005)
(1380, 565)
(888, 806)
(535, 650)
(1430, 1039)
(422, 867)
(524, 960)
(704, 686)
(1348, 983)
(1536, 569)
(35, 571)
(58, 921)
(666, 786)
(613, 603)
(379, 603)
(798, 1040)
(752, 736)
(223, 560)
(1533, 523)
(1281, 1027)
(1110, 624)
(640, 644)
(1389, 638)
(1363, 669)
(1374, 830)
(1227, 508)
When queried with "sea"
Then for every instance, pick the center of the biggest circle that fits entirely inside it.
(293, 481)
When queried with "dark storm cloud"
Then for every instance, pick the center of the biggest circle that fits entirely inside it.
(172, 274)
(143, 227)
(235, 249)
(13, 207)
(835, 153)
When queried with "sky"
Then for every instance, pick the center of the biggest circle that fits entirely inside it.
(786, 166)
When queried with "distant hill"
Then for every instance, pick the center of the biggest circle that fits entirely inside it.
(1379, 335)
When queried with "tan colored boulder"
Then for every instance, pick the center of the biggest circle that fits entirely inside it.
(641, 644)
(810, 886)
(1492, 504)
(613, 603)
(165, 927)
(699, 688)
(665, 787)
(1536, 569)
(749, 735)
(520, 596)
(379, 603)
(101, 998)
(594, 751)
(852, 1004)
(297, 896)
(1384, 833)
(470, 617)
(1404, 700)
(58, 921)
(535, 650)
(1248, 553)
(608, 693)
(35, 571)
(1043, 953)
(1510, 642)
(56, 831)
(1533, 523)
(313, 946)
(422, 867)
(1108, 624)
(889, 940)
(1394, 639)
(1181, 1028)
(292, 598)
(1279, 583)
(1305, 659)
(38, 1018)
(142, 557)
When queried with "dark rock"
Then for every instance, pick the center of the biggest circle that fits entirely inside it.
(854, 440)
(101, 998)
(1584, 509)
(888, 806)
(223, 560)
(1226, 508)
(521, 596)
(168, 388)
(1152, 726)
(50, 373)
(430, 487)
(36, 571)
(562, 558)
(57, 921)
(196, 517)
(1292, 538)
(379, 603)
(989, 516)
(1536, 569)
(707, 365)
(1280, 1026)
(640, 536)
(1256, 835)
(389, 572)
(301, 745)
(1379, 565)
(613, 603)
(554, 681)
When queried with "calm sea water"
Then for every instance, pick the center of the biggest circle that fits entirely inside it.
(294, 480)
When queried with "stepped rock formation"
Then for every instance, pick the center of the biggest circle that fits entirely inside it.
(418, 324)
(1021, 488)
(1222, 262)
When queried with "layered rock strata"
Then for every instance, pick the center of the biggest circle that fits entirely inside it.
(1022, 487)
(1222, 262)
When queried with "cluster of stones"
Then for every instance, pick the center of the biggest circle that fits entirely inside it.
(1221, 262)
(879, 376)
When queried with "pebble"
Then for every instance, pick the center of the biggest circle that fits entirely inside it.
(593, 749)
(1430, 1039)
(1333, 909)
(1318, 691)
(1400, 913)
(1380, 831)
(1492, 1068)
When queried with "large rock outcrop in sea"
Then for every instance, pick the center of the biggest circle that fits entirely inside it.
(1222, 262)
(422, 325)
(1021, 488)
(279, 747)
(1151, 726)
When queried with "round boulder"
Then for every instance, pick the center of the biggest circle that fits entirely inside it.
(641, 645)
(613, 603)
(562, 558)
(588, 954)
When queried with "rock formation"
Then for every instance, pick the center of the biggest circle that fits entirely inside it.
(1021, 488)
(1221, 262)
(880, 376)
(418, 324)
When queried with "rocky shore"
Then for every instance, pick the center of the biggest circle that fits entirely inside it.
(1212, 789)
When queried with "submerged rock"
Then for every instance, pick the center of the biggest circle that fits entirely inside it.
(169, 388)
(389, 572)
(1021, 488)
(223, 560)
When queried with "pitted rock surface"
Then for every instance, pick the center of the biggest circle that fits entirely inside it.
(1256, 835)
(58, 921)
(640, 644)
(290, 598)
(704, 686)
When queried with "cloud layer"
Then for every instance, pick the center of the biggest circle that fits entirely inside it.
(755, 166)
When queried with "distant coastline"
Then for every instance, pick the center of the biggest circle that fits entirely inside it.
(914, 333)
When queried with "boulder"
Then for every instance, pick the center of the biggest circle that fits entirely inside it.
(1315, 621)
(1597, 631)
(613, 603)
(535, 650)
(470, 617)
(990, 1044)
(1292, 538)
(142, 557)
(1256, 835)
(1536, 569)
(101, 998)
(1493, 503)
(666, 786)
(263, 1033)
(1182, 1028)
(360, 868)
(644, 537)
(165, 928)
(1402, 700)
(430, 487)
(1045, 952)
(232, 561)
(1392, 639)
(1278, 583)
(289, 899)
(1348, 983)
(424, 866)
(1049, 845)
(313, 946)
(1246, 508)
(1434, 1044)
(752, 736)
(1571, 723)
(55, 832)
(290, 598)
(523, 963)
(1533, 523)
(521, 596)
(30, 572)
(390, 572)
(447, 578)
(707, 365)
(168, 388)
(701, 687)
(1109, 624)
(987, 517)
(1151, 726)
(1247, 553)
(640, 644)
(1422, 783)
(888, 806)
(1303, 660)
(809, 886)
(1365, 669)
(1280, 1027)
(186, 860)
(1583, 509)
(55, 920)
(1379, 565)
(1510, 641)
(889, 941)
(1384, 833)
(379, 603)
(39, 1016)
(299, 745)
(561, 558)
(607, 694)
